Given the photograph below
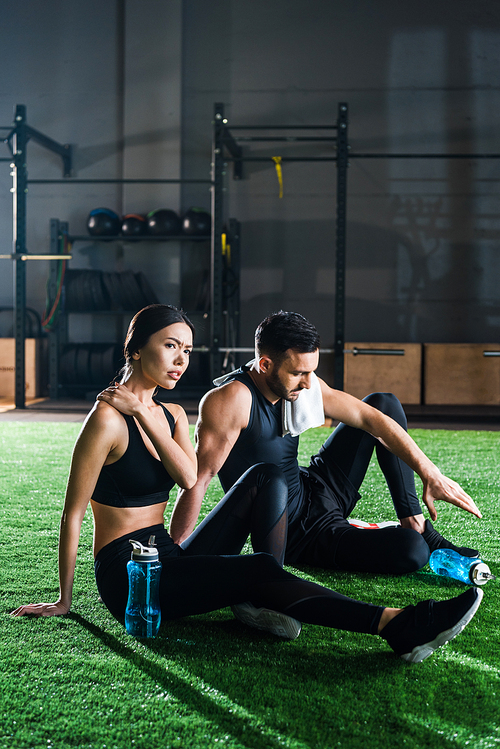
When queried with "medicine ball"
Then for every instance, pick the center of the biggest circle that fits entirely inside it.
(163, 223)
(133, 225)
(196, 222)
(103, 222)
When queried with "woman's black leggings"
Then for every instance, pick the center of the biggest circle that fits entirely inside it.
(199, 584)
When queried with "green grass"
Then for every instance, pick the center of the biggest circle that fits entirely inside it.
(207, 681)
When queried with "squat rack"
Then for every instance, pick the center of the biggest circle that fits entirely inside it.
(17, 139)
(232, 144)
(342, 157)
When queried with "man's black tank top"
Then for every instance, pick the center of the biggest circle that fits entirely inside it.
(261, 442)
(137, 479)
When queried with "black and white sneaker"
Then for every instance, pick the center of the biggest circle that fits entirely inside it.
(419, 630)
(435, 541)
(267, 620)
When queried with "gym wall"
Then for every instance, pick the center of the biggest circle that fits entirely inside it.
(132, 84)
(422, 236)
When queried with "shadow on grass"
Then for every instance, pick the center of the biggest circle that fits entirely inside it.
(180, 688)
(195, 644)
(264, 691)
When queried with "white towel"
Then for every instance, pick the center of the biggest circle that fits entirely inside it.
(297, 416)
(304, 413)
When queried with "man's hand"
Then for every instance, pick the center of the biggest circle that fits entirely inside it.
(360, 415)
(439, 487)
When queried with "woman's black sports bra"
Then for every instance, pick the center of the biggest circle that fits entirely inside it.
(137, 479)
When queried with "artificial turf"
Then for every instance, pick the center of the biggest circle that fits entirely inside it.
(207, 681)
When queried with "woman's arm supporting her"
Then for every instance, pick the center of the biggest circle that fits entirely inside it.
(96, 440)
(176, 453)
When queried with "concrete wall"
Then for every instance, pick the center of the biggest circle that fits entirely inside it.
(132, 84)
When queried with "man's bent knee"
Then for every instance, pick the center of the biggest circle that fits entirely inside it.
(260, 473)
(382, 401)
(412, 552)
(388, 404)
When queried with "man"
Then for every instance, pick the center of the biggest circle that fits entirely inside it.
(256, 415)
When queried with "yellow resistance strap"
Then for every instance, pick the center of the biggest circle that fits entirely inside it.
(226, 248)
(279, 172)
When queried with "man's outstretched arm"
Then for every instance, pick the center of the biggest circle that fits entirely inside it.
(356, 413)
(223, 413)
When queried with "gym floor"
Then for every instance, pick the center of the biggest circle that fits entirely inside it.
(419, 417)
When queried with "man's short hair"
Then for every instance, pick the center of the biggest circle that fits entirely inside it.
(281, 331)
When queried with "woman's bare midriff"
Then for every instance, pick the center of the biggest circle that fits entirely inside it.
(113, 522)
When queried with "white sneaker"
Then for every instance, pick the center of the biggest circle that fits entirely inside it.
(267, 620)
(373, 526)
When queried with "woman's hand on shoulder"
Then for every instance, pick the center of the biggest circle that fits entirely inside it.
(41, 609)
(121, 398)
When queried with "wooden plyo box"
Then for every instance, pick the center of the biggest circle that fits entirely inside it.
(32, 367)
(400, 374)
(460, 374)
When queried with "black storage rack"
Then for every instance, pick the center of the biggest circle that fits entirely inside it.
(58, 337)
(17, 140)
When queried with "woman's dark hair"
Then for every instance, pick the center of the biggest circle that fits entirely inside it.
(144, 324)
(281, 331)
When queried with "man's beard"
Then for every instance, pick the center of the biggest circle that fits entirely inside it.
(276, 386)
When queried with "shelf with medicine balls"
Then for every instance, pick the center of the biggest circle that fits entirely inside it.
(82, 369)
(162, 224)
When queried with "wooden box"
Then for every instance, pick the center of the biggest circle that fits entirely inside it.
(33, 348)
(399, 373)
(461, 374)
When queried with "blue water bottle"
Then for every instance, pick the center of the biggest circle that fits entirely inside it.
(143, 613)
(450, 563)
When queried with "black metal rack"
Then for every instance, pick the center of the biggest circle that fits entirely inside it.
(223, 264)
(342, 157)
(225, 139)
(17, 140)
(224, 304)
(59, 339)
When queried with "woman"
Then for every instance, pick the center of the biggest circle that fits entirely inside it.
(130, 453)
